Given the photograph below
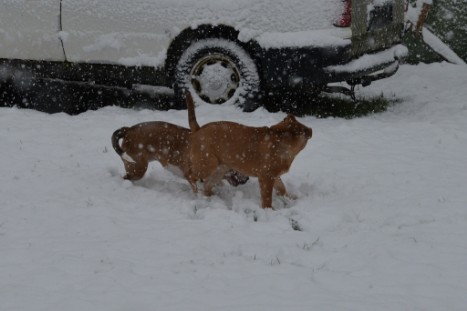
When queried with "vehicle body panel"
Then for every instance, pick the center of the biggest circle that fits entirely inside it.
(138, 32)
(29, 29)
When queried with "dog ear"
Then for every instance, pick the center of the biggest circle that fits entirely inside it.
(291, 118)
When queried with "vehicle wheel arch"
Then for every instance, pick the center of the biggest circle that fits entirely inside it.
(183, 40)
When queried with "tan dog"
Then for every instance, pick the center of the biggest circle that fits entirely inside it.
(158, 141)
(263, 152)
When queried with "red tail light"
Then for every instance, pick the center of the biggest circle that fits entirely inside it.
(346, 18)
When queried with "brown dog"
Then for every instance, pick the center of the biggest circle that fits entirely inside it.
(158, 141)
(263, 152)
(151, 141)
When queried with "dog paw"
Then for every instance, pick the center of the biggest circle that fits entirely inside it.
(284, 202)
(235, 178)
(292, 197)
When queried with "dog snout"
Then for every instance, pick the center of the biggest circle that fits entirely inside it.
(305, 132)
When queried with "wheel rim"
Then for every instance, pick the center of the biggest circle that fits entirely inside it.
(215, 78)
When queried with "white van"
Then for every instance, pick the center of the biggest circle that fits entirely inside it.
(225, 50)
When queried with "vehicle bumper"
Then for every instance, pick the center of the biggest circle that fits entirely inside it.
(369, 67)
(319, 66)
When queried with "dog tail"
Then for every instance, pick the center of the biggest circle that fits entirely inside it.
(116, 136)
(190, 105)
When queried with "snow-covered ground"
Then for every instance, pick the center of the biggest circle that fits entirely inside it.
(381, 208)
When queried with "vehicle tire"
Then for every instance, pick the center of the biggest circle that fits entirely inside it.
(218, 71)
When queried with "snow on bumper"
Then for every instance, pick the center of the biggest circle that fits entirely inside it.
(370, 63)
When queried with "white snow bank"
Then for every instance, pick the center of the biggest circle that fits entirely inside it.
(381, 204)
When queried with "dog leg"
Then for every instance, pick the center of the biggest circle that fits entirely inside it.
(214, 179)
(192, 181)
(280, 189)
(266, 185)
(135, 170)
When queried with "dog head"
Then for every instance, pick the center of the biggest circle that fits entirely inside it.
(293, 133)
(291, 126)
